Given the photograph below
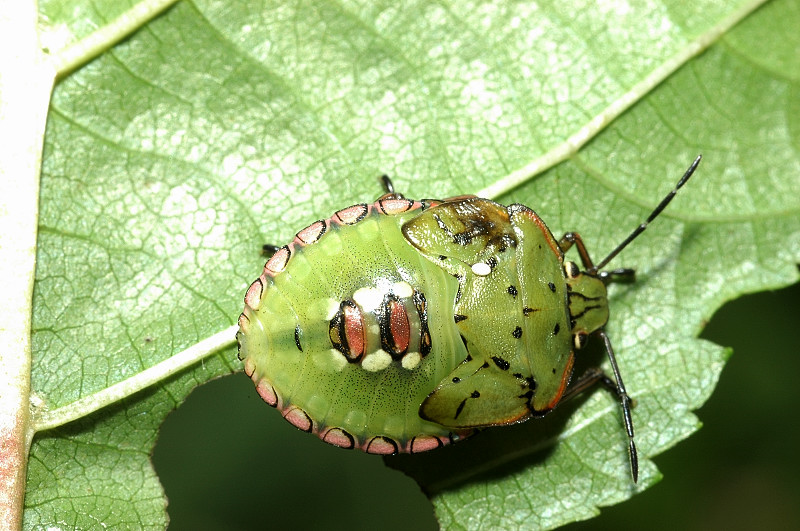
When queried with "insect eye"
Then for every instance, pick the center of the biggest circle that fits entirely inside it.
(581, 338)
(571, 269)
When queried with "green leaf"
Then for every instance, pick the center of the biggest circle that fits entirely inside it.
(220, 126)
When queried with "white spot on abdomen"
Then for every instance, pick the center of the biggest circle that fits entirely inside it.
(411, 360)
(376, 361)
(368, 298)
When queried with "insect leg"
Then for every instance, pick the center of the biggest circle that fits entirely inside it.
(386, 182)
(573, 238)
(594, 376)
(388, 187)
(268, 249)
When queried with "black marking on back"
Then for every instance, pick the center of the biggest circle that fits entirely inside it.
(384, 314)
(458, 317)
(501, 363)
(297, 338)
(460, 284)
(460, 407)
(504, 242)
(577, 316)
(461, 239)
(556, 329)
(421, 304)
(582, 296)
(586, 309)
(528, 396)
(551, 286)
(517, 333)
(336, 330)
(338, 333)
(526, 311)
(512, 290)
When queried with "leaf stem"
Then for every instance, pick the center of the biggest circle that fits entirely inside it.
(46, 420)
(26, 80)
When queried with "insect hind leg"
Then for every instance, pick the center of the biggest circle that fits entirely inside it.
(595, 376)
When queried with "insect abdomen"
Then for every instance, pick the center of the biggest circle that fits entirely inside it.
(350, 329)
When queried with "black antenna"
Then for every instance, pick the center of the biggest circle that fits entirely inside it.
(640, 229)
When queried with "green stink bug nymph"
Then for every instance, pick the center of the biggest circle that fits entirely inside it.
(402, 325)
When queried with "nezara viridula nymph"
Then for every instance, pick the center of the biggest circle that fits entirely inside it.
(402, 325)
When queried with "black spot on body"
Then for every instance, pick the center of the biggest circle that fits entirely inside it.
(551, 286)
(475, 394)
(421, 304)
(456, 379)
(492, 262)
(462, 239)
(458, 317)
(501, 363)
(297, 338)
(556, 329)
(460, 284)
(517, 333)
(512, 290)
(460, 408)
(527, 311)
(571, 269)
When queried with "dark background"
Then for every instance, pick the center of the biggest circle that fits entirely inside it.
(216, 453)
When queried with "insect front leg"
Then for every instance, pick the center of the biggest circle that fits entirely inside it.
(573, 238)
(616, 275)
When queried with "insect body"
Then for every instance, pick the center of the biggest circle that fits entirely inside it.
(402, 326)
